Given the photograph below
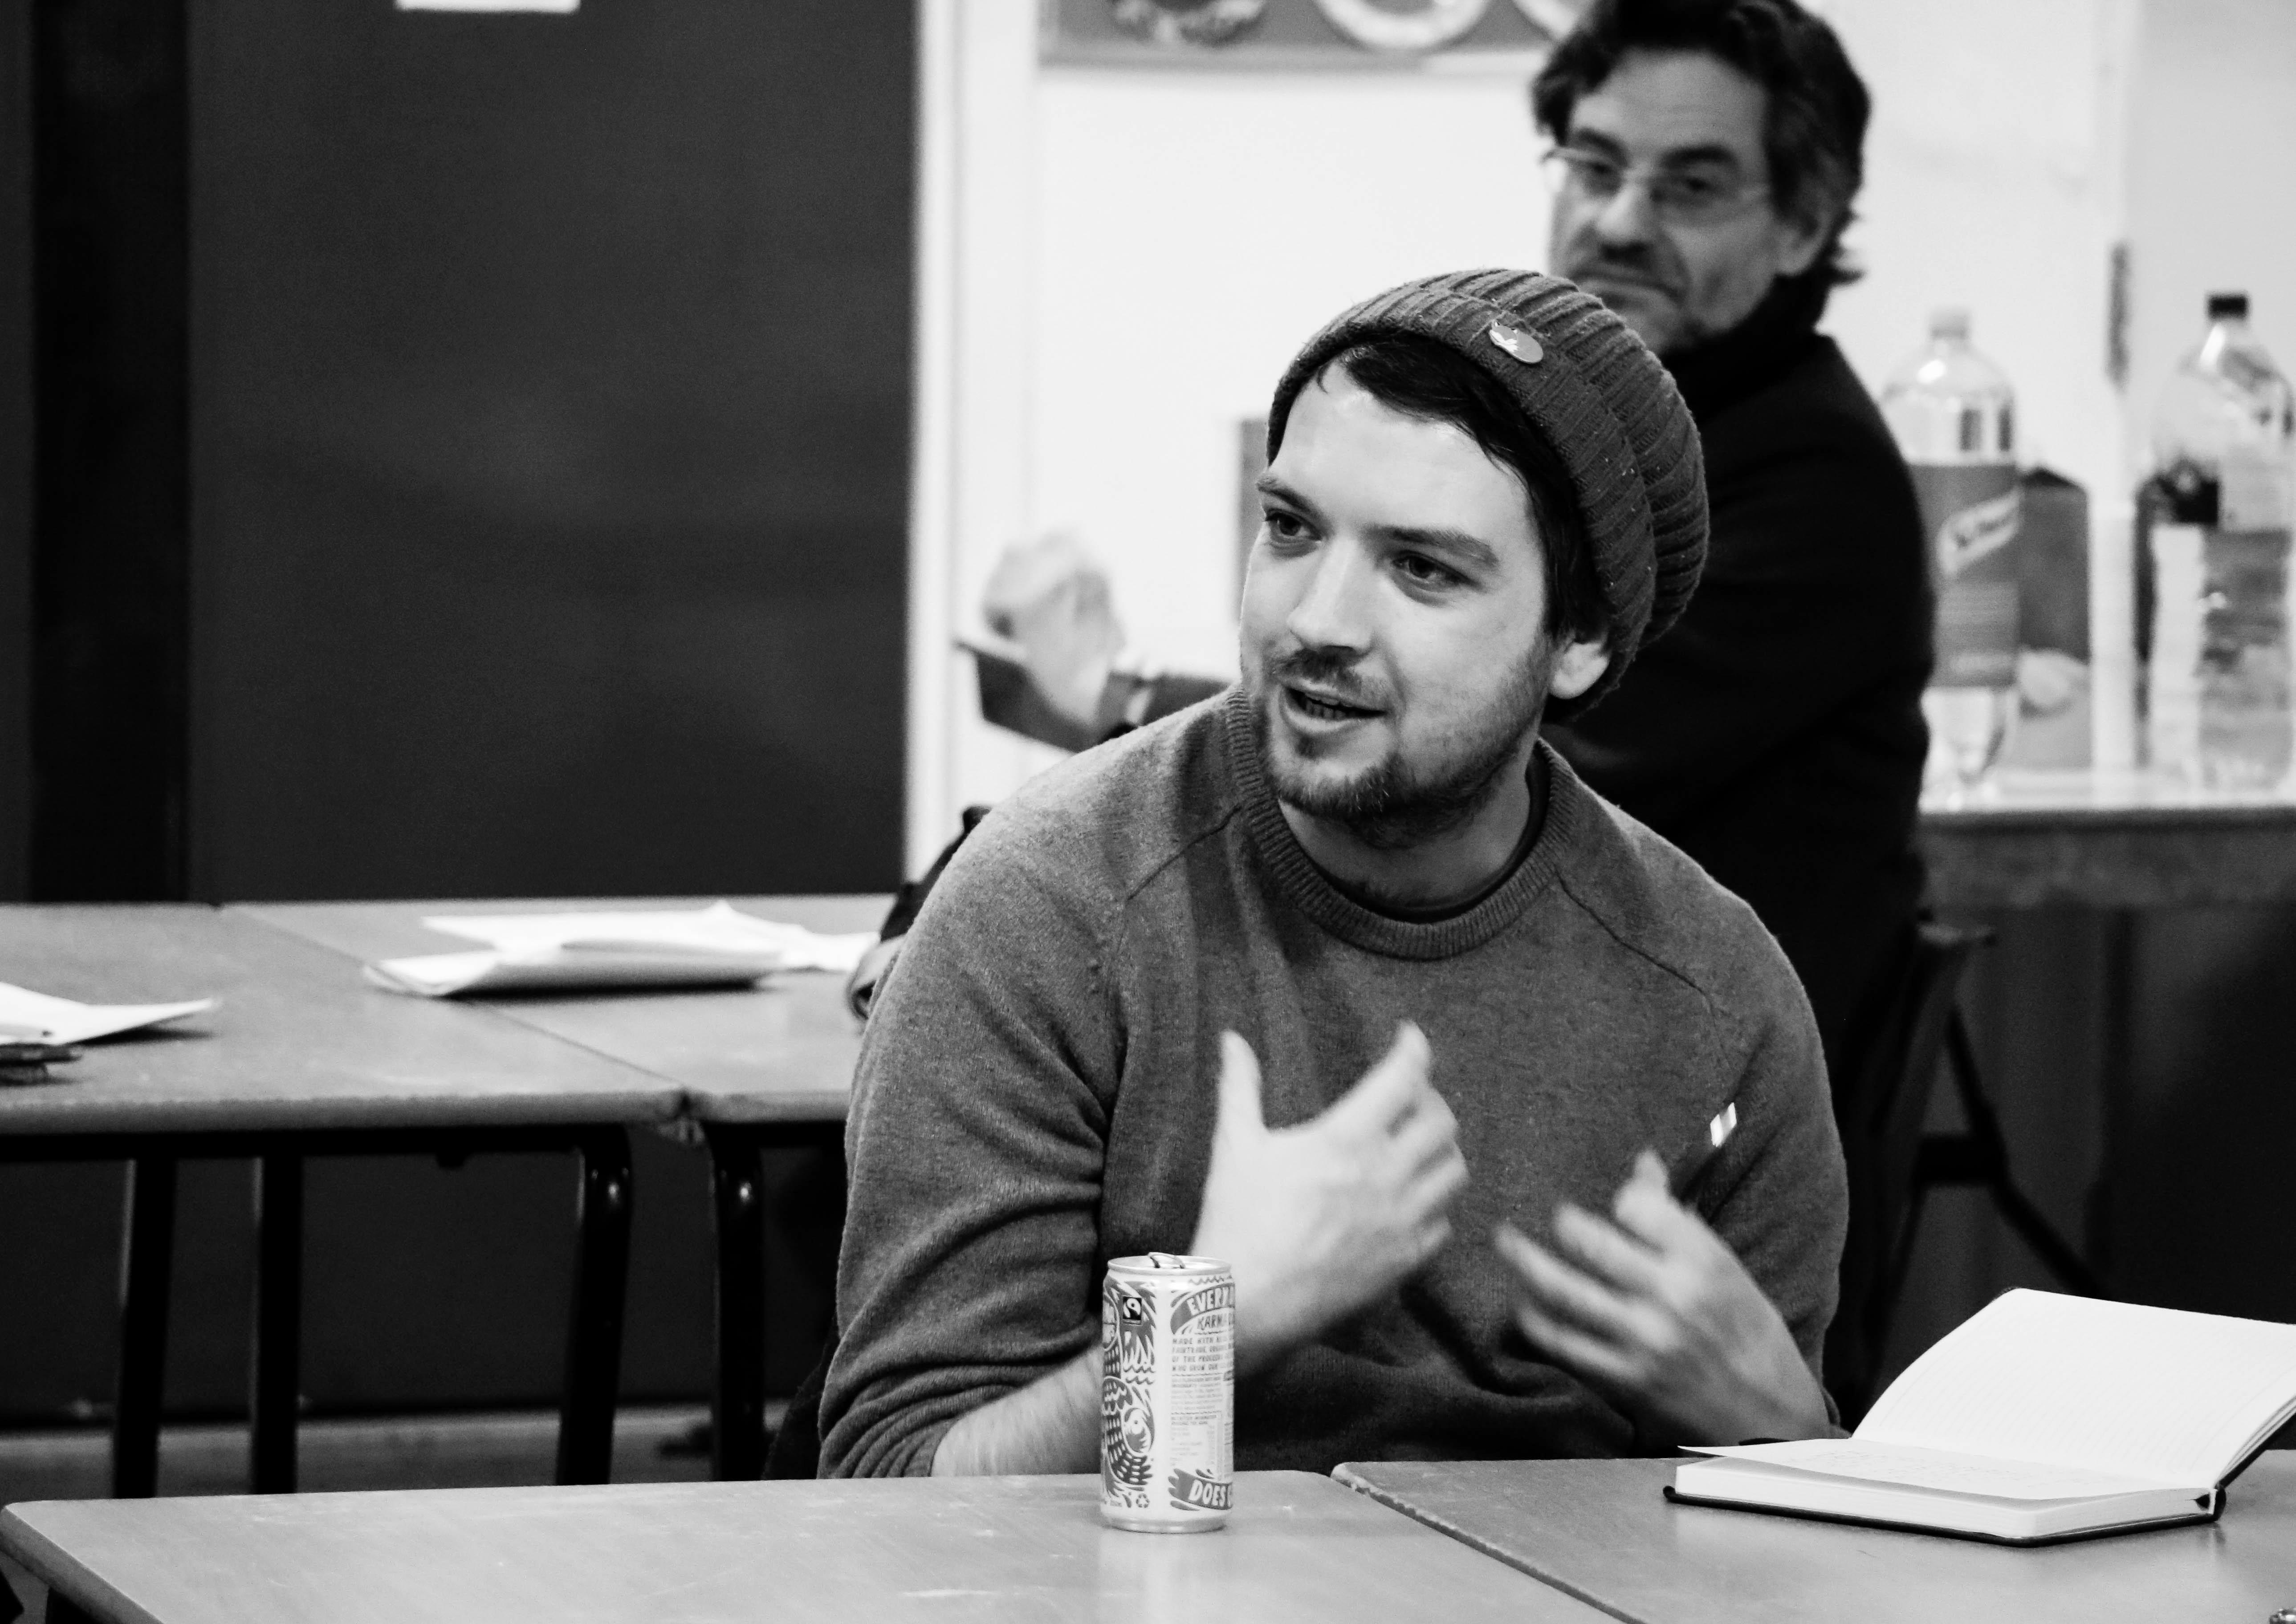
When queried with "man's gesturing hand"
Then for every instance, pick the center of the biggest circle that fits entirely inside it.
(1322, 1219)
(1659, 1313)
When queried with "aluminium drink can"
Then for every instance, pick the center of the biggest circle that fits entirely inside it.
(1167, 1393)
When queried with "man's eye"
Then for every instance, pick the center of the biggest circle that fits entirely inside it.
(1597, 175)
(1422, 571)
(1694, 190)
(1285, 527)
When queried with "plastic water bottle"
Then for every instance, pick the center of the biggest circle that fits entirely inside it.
(1955, 418)
(2212, 593)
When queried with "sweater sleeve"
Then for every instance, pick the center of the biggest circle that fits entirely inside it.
(1779, 1196)
(1813, 593)
(975, 1152)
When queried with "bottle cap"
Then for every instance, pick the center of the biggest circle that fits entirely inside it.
(2223, 304)
(1950, 322)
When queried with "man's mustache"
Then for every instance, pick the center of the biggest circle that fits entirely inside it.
(1324, 668)
(1633, 266)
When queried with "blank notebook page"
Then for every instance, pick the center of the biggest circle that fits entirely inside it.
(2153, 1394)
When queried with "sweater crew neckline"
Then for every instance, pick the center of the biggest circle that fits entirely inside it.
(1310, 889)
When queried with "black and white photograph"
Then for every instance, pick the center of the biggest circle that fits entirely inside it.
(1150, 810)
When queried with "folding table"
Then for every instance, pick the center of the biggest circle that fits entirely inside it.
(1299, 1549)
(757, 1069)
(300, 1060)
(1603, 1530)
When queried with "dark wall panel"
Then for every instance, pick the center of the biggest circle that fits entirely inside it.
(110, 383)
(15, 448)
(549, 410)
(551, 407)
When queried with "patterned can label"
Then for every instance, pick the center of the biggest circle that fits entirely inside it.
(1168, 1392)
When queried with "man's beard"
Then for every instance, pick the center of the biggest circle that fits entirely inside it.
(1391, 805)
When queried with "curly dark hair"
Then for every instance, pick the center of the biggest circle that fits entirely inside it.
(1813, 130)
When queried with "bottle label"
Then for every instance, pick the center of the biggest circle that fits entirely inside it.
(2217, 703)
(1970, 510)
(2172, 686)
(2256, 490)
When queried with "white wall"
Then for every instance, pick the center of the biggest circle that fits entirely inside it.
(1191, 233)
(1993, 181)
(2213, 180)
(1126, 259)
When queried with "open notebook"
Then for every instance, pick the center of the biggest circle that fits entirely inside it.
(2042, 1417)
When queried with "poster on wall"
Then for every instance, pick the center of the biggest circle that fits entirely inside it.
(1282, 36)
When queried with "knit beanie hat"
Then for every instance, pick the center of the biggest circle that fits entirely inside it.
(1603, 402)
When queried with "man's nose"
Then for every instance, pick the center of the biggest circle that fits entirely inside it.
(1625, 217)
(1334, 611)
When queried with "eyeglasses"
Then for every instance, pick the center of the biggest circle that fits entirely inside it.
(1678, 197)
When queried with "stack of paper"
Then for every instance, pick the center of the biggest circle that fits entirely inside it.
(35, 1018)
(714, 946)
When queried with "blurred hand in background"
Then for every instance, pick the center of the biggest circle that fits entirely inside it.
(1052, 598)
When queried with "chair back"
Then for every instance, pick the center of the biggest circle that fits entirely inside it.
(1881, 1114)
(796, 1448)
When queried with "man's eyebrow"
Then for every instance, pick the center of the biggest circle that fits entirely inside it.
(1595, 142)
(1268, 484)
(1709, 152)
(1674, 158)
(1466, 548)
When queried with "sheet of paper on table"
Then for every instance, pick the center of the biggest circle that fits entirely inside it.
(39, 1019)
(537, 952)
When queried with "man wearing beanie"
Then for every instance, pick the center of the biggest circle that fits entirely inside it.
(1346, 978)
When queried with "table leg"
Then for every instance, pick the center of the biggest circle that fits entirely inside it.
(737, 1395)
(593, 1347)
(275, 1377)
(146, 1255)
(2116, 1079)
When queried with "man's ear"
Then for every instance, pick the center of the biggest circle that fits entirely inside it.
(1801, 238)
(1580, 665)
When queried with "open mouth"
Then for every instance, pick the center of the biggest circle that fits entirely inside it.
(1320, 707)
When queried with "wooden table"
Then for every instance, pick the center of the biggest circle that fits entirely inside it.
(1600, 1531)
(301, 1059)
(2107, 839)
(1300, 1547)
(756, 1068)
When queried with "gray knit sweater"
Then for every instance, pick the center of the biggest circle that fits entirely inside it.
(1036, 1096)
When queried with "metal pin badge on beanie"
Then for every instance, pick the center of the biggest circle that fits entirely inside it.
(1516, 342)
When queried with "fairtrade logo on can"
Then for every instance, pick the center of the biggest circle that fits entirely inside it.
(1167, 1393)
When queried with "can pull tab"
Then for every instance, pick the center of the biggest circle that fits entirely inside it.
(1168, 1259)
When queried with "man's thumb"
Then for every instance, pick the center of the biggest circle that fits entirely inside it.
(1239, 1086)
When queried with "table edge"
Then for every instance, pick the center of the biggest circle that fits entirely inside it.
(1345, 1474)
(637, 1108)
(54, 1567)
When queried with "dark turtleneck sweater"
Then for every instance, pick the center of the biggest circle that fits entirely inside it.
(1036, 1095)
(1774, 734)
